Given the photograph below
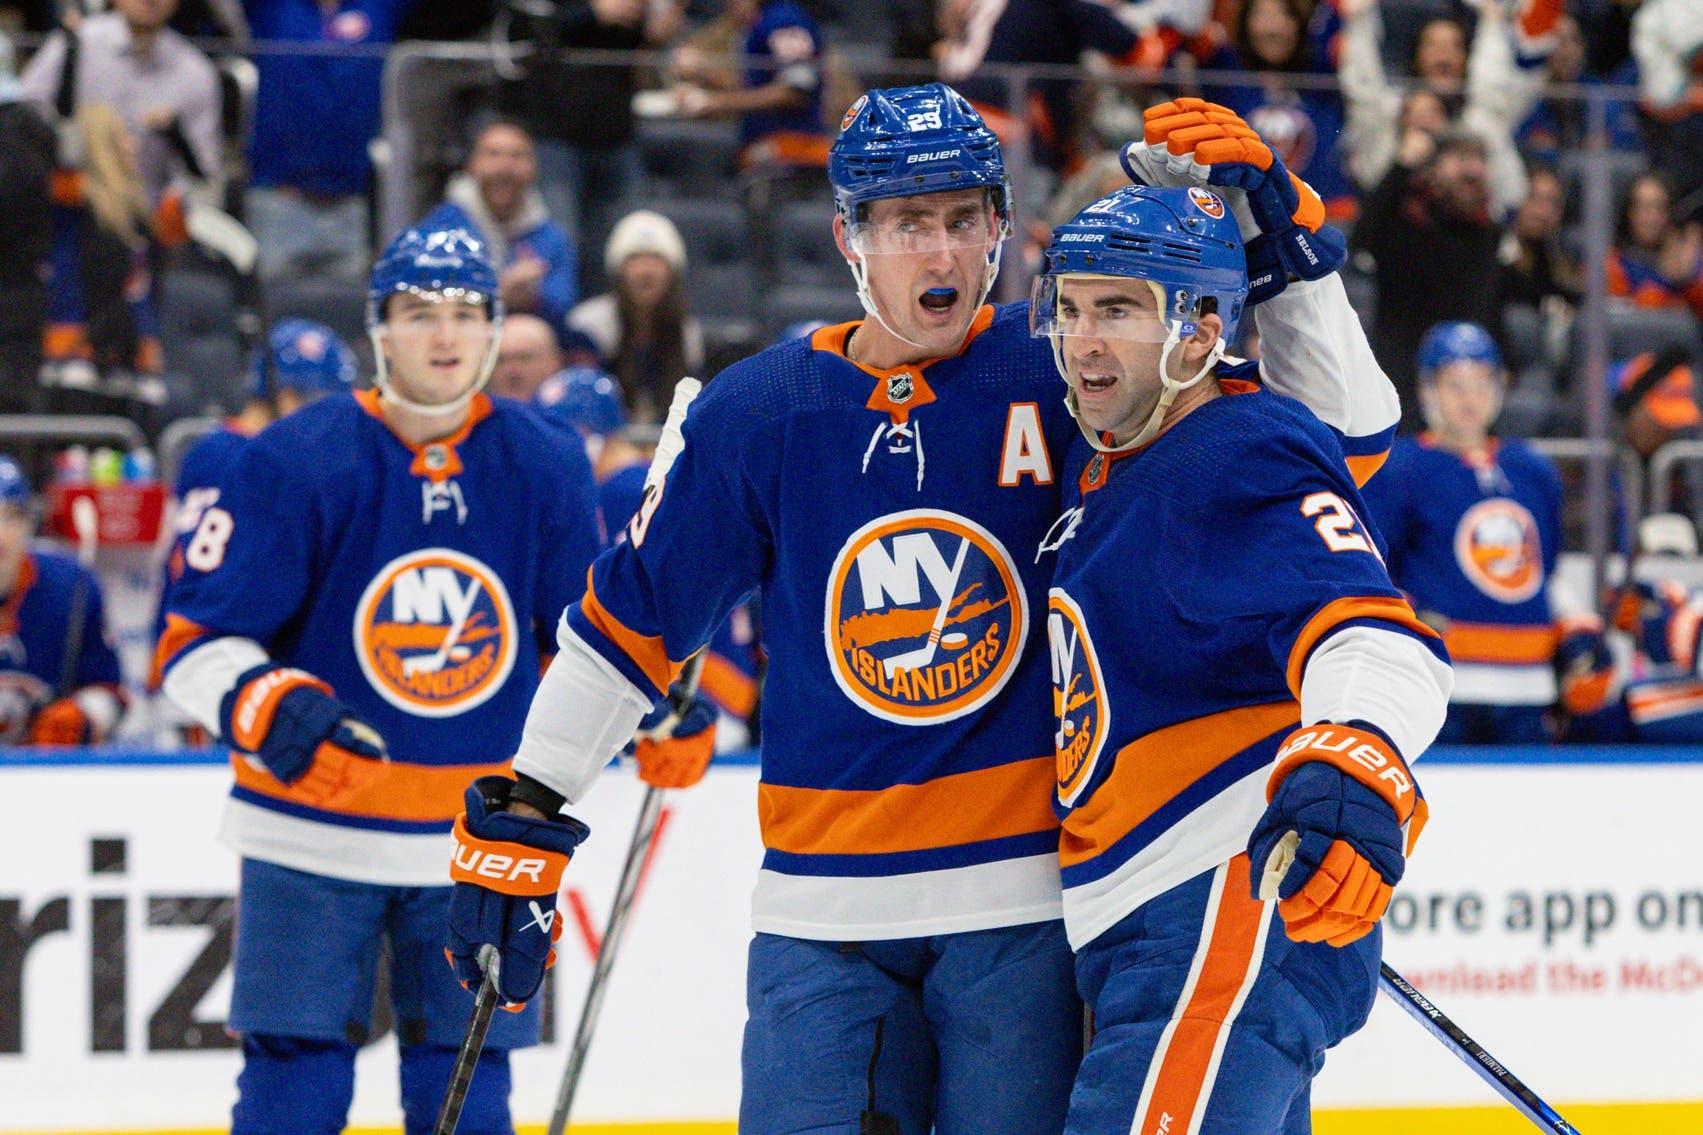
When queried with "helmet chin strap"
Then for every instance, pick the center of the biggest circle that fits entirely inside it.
(1169, 389)
(389, 394)
(860, 273)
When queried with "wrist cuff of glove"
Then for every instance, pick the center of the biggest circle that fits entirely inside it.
(504, 866)
(247, 712)
(1362, 752)
(1310, 255)
(1268, 275)
(536, 794)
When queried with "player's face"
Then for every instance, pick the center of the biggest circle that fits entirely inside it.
(1463, 398)
(435, 346)
(926, 259)
(15, 528)
(1111, 339)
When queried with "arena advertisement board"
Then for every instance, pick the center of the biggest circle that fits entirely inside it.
(1555, 910)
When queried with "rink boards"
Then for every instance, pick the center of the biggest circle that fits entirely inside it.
(1554, 910)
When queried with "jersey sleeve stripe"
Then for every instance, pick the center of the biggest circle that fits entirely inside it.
(727, 685)
(403, 792)
(179, 635)
(1365, 455)
(1501, 645)
(646, 653)
(1377, 608)
(1152, 771)
(1005, 800)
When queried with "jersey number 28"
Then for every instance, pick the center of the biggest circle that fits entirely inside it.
(206, 549)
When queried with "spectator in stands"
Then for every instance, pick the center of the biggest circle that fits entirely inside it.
(640, 328)
(1656, 402)
(527, 354)
(1429, 228)
(1557, 125)
(100, 306)
(1274, 39)
(1473, 525)
(778, 99)
(164, 88)
(1488, 92)
(26, 228)
(1536, 271)
(59, 676)
(1667, 40)
(580, 114)
(1655, 262)
(496, 196)
(314, 115)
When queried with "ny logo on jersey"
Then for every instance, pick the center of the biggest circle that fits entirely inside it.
(1079, 699)
(436, 497)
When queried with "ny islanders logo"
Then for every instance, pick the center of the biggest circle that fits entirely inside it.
(1497, 548)
(925, 617)
(1079, 701)
(435, 632)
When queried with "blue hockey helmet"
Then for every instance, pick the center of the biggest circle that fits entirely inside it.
(449, 263)
(907, 141)
(1456, 342)
(583, 397)
(302, 355)
(14, 486)
(1182, 241)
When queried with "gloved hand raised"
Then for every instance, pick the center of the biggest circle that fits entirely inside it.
(507, 869)
(676, 740)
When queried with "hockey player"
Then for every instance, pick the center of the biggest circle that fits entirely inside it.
(358, 620)
(1238, 685)
(59, 677)
(882, 485)
(1473, 523)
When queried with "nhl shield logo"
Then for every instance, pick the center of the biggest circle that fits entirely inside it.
(925, 617)
(435, 632)
(1497, 548)
(1079, 702)
(900, 386)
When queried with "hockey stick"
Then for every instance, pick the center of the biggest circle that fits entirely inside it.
(85, 522)
(461, 1076)
(1419, 1007)
(1471, 1053)
(644, 832)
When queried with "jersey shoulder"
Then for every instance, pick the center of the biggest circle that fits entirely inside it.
(319, 442)
(536, 446)
(56, 574)
(209, 458)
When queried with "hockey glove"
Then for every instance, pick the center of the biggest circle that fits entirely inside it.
(1343, 814)
(1662, 619)
(676, 740)
(507, 870)
(1584, 669)
(305, 737)
(61, 722)
(1281, 218)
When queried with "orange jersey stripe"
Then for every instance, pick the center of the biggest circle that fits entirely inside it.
(1363, 468)
(1006, 800)
(179, 632)
(1654, 697)
(1150, 771)
(648, 652)
(1187, 1060)
(1505, 646)
(1340, 611)
(398, 791)
(727, 685)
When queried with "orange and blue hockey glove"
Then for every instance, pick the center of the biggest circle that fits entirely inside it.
(289, 721)
(1663, 620)
(1281, 218)
(676, 740)
(1584, 668)
(507, 870)
(1343, 814)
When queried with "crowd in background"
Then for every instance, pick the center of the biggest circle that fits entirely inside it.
(180, 174)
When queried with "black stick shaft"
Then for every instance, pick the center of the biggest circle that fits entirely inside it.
(467, 1060)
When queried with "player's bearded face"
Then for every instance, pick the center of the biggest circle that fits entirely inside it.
(926, 259)
(1110, 340)
(435, 346)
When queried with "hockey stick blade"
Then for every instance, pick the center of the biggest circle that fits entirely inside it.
(467, 1060)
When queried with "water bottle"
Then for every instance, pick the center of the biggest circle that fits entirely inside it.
(71, 467)
(139, 466)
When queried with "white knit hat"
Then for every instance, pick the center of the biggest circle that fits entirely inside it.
(644, 231)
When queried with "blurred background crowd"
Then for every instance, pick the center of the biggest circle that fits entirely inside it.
(181, 177)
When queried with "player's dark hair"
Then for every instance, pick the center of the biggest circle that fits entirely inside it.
(1300, 55)
(651, 355)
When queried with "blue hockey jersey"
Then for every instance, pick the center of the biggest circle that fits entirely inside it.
(416, 581)
(35, 629)
(1474, 544)
(1195, 577)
